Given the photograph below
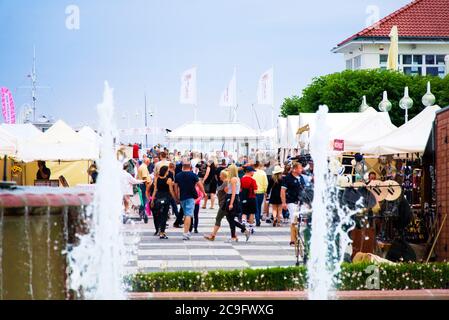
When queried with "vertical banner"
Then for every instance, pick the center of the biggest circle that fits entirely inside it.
(8, 111)
(229, 96)
(188, 87)
(265, 88)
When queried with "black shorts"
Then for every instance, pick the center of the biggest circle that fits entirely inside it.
(249, 206)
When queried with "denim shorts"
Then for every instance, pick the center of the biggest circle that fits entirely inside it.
(188, 206)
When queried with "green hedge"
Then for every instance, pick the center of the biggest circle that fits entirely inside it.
(353, 277)
(343, 92)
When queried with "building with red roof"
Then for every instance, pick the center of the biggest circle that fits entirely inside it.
(423, 27)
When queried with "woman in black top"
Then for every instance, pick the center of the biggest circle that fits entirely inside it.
(274, 194)
(162, 193)
(210, 184)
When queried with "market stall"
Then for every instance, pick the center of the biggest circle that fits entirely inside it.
(234, 137)
(406, 225)
(66, 152)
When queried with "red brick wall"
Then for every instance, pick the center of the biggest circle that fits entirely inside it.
(442, 181)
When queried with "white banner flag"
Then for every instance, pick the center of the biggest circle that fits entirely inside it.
(229, 95)
(265, 88)
(188, 87)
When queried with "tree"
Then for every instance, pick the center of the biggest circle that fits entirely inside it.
(343, 92)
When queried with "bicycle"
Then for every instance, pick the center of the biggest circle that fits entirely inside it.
(302, 222)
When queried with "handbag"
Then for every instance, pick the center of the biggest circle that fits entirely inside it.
(207, 188)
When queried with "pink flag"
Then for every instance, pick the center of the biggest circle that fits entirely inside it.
(8, 111)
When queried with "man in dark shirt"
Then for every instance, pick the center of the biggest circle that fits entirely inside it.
(291, 188)
(186, 182)
(220, 168)
(43, 173)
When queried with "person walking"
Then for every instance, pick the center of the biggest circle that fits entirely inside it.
(127, 184)
(196, 211)
(186, 181)
(210, 184)
(274, 195)
(291, 188)
(163, 162)
(248, 197)
(163, 191)
(232, 204)
(221, 195)
(220, 168)
(262, 184)
(172, 175)
(144, 174)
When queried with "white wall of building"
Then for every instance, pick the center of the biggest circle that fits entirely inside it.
(367, 55)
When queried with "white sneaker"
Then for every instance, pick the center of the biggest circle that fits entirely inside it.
(231, 240)
(185, 236)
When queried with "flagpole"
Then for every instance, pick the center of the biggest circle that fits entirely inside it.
(236, 95)
(272, 98)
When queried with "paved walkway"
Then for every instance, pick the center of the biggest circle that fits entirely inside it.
(267, 247)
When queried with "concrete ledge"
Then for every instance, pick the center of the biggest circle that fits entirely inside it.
(294, 295)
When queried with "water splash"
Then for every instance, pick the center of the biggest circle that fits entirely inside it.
(97, 263)
(28, 242)
(330, 222)
(49, 244)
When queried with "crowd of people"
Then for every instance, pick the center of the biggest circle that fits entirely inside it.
(248, 191)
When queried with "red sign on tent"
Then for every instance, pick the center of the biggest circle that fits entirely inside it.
(339, 145)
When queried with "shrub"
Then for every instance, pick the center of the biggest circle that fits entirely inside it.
(343, 92)
(352, 277)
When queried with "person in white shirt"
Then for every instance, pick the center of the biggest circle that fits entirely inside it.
(127, 182)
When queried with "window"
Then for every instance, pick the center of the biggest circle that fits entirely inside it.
(349, 64)
(383, 58)
(357, 62)
(430, 59)
(417, 64)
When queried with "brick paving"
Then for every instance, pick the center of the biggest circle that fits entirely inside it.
(267, 247)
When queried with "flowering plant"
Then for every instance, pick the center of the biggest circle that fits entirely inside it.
(16, 169)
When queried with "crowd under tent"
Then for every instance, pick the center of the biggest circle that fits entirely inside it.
(410, 138)
(66, 152)
(209, 137)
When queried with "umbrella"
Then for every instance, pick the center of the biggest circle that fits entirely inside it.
(392, 62)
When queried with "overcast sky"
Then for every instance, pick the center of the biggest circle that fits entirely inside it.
(144, 45)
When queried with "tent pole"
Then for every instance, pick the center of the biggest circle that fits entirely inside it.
(4, 167)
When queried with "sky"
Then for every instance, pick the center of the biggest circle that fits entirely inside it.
(142, 47)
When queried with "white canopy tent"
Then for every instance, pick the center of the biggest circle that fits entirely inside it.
(59, 142)
(89, 134)
(368, 127)
(229, 136)
(7, 144)
(16, 135)
(288, 127)
(411, 137)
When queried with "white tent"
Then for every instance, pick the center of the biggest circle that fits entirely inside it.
(368, 127)
(60, 142)
(225, 130)
(7, 143)
(411, 137)
(288, 127)
(16, 135)
(230, 136)
(89, 133)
